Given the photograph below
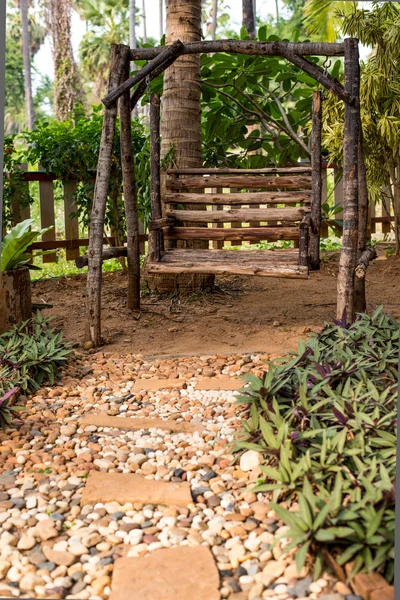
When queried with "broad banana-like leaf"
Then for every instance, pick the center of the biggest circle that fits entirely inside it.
(16, 242)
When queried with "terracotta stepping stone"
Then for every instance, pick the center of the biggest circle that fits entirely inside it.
(366, 583)
(104, 420)
(157, 384)
(180, 573)
(220, 383)
(129, 487)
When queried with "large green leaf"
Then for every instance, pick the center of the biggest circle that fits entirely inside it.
(16, 242)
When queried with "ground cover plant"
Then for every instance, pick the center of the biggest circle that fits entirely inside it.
(325, 422)
(30, 355)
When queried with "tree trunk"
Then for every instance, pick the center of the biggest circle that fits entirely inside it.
(15, 298)
(360, 301)
(26, 50)
(161, 17)
(316, 180)
(181, 122)
(349, 252)
(144, 22)
(249, 17)
(214, 19)
(119, 56)
(66, 81)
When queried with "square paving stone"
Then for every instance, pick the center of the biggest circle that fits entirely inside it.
(129, 487)
(182, 573)
(134, 423)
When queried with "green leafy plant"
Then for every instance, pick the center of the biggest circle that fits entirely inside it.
(325, 421)
(31, 354)
(15, 243)
(7, 412)
(14, 184)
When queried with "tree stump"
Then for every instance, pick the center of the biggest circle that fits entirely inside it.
(15, 298)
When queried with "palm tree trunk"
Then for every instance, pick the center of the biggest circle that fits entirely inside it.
(27, 65)
(181, 119)
(249, 19)
(144, 22)
(161, 18)
(66, 77)
(214, 19)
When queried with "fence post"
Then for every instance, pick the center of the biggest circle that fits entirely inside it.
(47, 217)
(19, 213)
(217, 245)
(71, 225)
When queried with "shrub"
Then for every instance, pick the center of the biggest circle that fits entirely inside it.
(15, 243)
(325, 421)
(6, 411)
(31, 354)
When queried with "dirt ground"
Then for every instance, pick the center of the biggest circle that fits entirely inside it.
(244, 314)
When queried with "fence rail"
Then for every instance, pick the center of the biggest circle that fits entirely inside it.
(72, 241)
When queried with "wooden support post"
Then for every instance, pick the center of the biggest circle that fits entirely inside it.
(338, 194)
(155, 236)
(20, 213)
(236, 225)
(363, 253)
(349, 252)
(71, 224)
(47, 216)
(119, 56)
(316, 175)
(386, 204)
(304, 260)
(130, 200)
(217, 245)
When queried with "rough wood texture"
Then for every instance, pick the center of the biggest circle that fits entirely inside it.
(360, 300)
(216, 171)
(286, 271)
(287, 256)
(245, 198)
(119, 56)
(47, 216)
(316, 194)
(349, 252)
(116, 252)
(155, 235)
(238, 215)
(174, 50)
(130, 200)
(366, 257)
(246, 234)
(15, 298)
(239, 182)
(248, 47)
(304, 241)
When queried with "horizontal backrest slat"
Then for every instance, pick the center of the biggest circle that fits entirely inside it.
(251, 234)
(240, 182)
(238, 198)
(238, 215)
(216, 171)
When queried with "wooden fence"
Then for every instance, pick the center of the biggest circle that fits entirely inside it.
(72, 242)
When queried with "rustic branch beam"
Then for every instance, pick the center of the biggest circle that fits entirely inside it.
(141, 88)
(260, 182)
(239, 198)
(244, 234)
(167, 52)
(247, 47)
(315, 71)
(304, 241)
(366, 257)
(216, 171)
(108, 253)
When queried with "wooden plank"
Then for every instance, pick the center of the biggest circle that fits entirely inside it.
(71, 225)
(244, 198)
(70, 244)
(246, 234)
(259, 182)
(266, 171)
(235, 224)
(47, 216)
(286, 271)
(239, 215)
(284, 255)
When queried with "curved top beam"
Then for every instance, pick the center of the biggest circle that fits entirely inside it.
(247, 47)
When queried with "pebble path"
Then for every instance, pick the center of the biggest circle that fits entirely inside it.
(53, 546)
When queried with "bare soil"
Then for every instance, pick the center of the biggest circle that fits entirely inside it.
(243, 314)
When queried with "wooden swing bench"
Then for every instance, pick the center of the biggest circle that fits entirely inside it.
(269, 204)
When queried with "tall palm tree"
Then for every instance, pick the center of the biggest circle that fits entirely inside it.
(66, 80)
(26, 51)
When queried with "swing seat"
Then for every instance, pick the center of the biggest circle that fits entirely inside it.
(234, 205)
